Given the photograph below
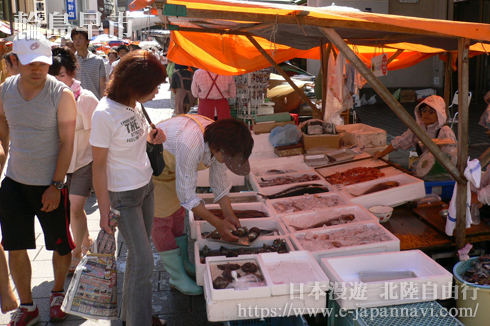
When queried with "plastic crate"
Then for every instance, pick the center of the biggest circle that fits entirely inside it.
(442, 188)
(279, 321)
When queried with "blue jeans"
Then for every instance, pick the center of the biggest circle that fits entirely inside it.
(136, 208)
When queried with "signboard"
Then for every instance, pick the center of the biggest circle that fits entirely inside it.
(71, 9)
(40, 9)
(379, 65)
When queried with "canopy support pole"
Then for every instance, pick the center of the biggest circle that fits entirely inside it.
(325, 56)
(399, 110)
(447, 82)
(305, 98)
(395, 55)
(463, 117)
(484, 158)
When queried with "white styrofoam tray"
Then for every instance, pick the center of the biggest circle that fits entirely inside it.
(428, 285)
(410, 188)
(254, 181)
(235, 197)
(296, 269)
(261, 169)
(258, 206)
(341, 198)
(384, 246)
(229, 294)
(367, 163)
(300, 219)
(237, 309)
(266, 223)
(199, 245)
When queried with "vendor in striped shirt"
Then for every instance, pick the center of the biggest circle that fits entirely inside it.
(195, 143)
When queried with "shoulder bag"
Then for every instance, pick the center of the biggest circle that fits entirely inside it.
(155, 152)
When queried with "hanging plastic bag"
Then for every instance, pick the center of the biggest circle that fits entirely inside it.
(285, 135)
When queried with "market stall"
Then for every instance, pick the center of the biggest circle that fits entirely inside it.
(245, 37)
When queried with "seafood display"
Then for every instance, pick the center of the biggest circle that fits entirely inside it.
(284, 180)
(379, 187)
(237, 276)
(307, 202)
(355, 175)
(346, 237)
(275, 171)
(245, 235)
(343, 219)
(239, 214)
(278, 245)
(298, 191)
(479, 273)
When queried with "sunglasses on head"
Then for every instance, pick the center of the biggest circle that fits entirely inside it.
(425, 110)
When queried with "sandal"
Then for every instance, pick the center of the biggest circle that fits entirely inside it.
(86, 249)
(73, 266)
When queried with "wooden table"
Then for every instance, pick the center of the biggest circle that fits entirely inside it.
(423, 228)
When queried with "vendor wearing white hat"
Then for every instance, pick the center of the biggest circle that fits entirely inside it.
(430, 114)
(195, 143)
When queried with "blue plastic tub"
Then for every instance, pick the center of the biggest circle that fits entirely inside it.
(442, 188)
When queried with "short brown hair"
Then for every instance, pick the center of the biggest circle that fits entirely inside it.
(136, 75)
(79, 30)
(112, 52)
(231, 136)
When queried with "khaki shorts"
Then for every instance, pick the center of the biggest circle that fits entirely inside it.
(80, 182)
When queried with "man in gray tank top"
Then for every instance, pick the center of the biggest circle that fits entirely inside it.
(37, 116)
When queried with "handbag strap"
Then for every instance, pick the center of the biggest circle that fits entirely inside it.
(147, 117)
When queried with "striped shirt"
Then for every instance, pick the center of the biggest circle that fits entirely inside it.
(201, 83)
(408, 139)
(185, 141)
(92, 68)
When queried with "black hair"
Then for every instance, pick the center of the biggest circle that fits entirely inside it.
(79, 30)
(231, 136)
(122, 47)
(8, 59)
(63, 57)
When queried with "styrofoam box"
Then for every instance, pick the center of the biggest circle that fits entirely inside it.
(362, 135)
(343, 201)
(258, 206)
(235, 197)
(213, 245)
(410, 188)
(230, 294)
(305, 219)
(225, 310)
(384, 246)
(275, 189)
(297, 269)
(262, 144)
(347, 269)
(266, 223)
(261, 169)
(368, 163)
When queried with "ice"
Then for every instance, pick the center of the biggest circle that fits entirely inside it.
(307, 202)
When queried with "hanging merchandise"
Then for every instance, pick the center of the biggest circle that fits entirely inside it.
(338, 95)
(251, 90)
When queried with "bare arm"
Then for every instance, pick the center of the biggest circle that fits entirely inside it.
(102, 86)
(4, 135)
(99, 175)
(223, 226)
(67, 115)
(228, 213)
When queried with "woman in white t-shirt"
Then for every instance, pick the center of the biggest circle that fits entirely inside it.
(79, 177)
(122, 173)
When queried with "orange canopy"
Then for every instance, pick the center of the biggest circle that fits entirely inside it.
(204, 34)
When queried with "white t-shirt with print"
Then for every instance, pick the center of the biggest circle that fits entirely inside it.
(123, 131)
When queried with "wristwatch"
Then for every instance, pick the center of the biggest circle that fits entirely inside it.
(58, 184)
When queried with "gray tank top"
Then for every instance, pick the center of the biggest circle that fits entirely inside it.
(34, 136)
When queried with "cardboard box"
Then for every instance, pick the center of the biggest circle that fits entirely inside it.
(407, 96)
(264, 127)
(314, 141)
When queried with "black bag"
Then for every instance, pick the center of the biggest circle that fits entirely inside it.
(155, 152)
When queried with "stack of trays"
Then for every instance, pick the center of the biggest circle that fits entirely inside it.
(278, 271)
(392, 243)
(302, 221)
(427, 280)
(199, 245)
(257, 206)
